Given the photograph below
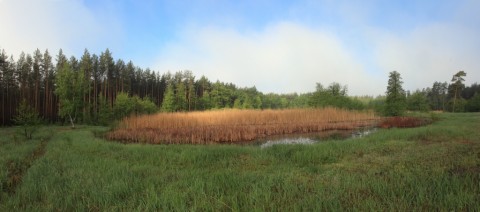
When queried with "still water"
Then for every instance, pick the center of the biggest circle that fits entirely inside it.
(314, 137)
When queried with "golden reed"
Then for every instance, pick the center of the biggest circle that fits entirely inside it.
(228, 126)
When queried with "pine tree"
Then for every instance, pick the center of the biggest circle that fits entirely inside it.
(395, 104)
(457, 80)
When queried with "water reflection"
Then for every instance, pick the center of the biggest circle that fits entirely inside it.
(288, 141)
(314, 137)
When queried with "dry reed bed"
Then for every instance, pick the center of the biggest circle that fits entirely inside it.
(227, 126)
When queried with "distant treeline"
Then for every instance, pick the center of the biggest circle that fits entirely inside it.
(440, 97)
(90, 86)
(35, 79)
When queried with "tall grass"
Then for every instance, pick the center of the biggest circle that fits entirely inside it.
(430, 168)
(16, 155)
(226, 126)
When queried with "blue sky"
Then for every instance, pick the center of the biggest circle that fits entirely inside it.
(278, 46)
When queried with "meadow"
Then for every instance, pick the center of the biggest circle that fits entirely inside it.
(233, 126)
(434, 167)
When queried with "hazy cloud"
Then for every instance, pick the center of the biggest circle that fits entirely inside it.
(430, 53)
(53, 24)
(284, 57)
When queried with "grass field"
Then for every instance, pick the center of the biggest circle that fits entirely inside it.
(435, 167)
(230, 126)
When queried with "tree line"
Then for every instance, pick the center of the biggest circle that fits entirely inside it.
(86, 90)
(453, 97)
(97, 89)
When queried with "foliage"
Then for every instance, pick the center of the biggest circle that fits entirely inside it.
(123, 105)
(71, 87)
(473, 105)
(377, 104)
(144, 106)
(395, 103)
(169, 104)
(437, 95)
(456, 88)
(105, 113)
(418, 102)
(180, 97)
(28, 118)
(457, 105)
(469, 91)
(335, 95)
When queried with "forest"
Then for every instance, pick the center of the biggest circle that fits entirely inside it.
(97, 89)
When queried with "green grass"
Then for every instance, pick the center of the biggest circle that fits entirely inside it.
(17, 154)
(435, 167)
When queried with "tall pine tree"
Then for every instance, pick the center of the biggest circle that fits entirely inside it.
(395, 104)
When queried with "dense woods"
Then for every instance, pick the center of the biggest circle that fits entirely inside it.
(87, 90)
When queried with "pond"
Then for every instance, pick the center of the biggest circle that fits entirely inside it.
(312, 138)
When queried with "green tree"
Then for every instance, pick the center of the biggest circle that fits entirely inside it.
(395, 103)
(71, 88)
(86, 67)
(417, 102)
(437, 95)
(257, 102)
(28, 118)
(105, 113)
(204, 101)
(335, 95)
(180, 97)
(168, 104)
(473, 104)
(237, 103)
(123, 106)
(146, 106)
(247, 102)
(457, 86)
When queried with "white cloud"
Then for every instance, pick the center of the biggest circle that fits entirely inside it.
(284, 57)
(53, 24)
(430, 53)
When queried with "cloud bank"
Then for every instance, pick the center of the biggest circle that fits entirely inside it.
(289, 57)
(284, 58)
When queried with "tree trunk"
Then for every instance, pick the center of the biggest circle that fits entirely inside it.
(455, 99)
(71, 121)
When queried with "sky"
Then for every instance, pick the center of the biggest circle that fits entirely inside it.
(277, 46)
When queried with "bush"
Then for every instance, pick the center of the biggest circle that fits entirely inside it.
(28, 118)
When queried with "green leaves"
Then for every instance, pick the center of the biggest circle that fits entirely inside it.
(457, 87)
(168, 104)
(334, 95)
(71, 87)
(28, 118)
(125, 105)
